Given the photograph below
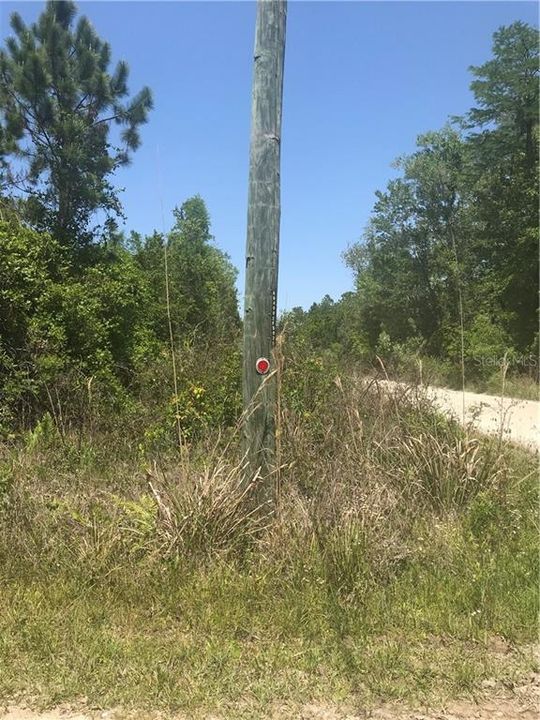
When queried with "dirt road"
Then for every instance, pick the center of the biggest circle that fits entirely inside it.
(497, 709)
(516, 420)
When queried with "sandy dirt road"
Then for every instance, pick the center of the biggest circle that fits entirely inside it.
(515, 420)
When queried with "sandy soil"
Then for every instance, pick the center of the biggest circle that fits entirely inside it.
(503, 708)
(516, 420)
(495, 702)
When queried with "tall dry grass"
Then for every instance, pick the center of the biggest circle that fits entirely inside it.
(356, 478)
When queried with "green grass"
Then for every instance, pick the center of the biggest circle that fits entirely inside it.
(443, 373)
(377, 580)
(209, 641)
(523, 388)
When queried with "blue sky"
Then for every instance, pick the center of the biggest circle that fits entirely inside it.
(362, 80)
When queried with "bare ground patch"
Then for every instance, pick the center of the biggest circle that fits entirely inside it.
(521, 702)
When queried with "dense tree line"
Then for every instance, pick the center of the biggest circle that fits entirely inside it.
(452, 244)
(448, 262)
(99, 331)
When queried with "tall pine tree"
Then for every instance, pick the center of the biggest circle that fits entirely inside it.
(58, 104)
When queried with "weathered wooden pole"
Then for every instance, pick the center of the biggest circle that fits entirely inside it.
(262, 247)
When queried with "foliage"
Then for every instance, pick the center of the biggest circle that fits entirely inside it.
(452, 240)
(401, 553)
(65, 329)
(504, 145)
(202, 279)
(58, 104)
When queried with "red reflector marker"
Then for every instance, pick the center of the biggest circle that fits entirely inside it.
(262, 366)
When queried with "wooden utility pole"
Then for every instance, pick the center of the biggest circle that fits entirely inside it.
(262, 248)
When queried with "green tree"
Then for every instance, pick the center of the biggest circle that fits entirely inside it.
(454, 239)
(504, 139)
(202, 277)
(414, 267)
(58, 104)
(30, 263)
(507, 93)
(62, 330)
(203, 300)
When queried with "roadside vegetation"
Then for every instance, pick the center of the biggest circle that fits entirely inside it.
(401, 561)
(446, 266)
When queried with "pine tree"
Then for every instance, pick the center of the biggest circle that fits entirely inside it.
(504, 137)
(58, 104)
(202, 277)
